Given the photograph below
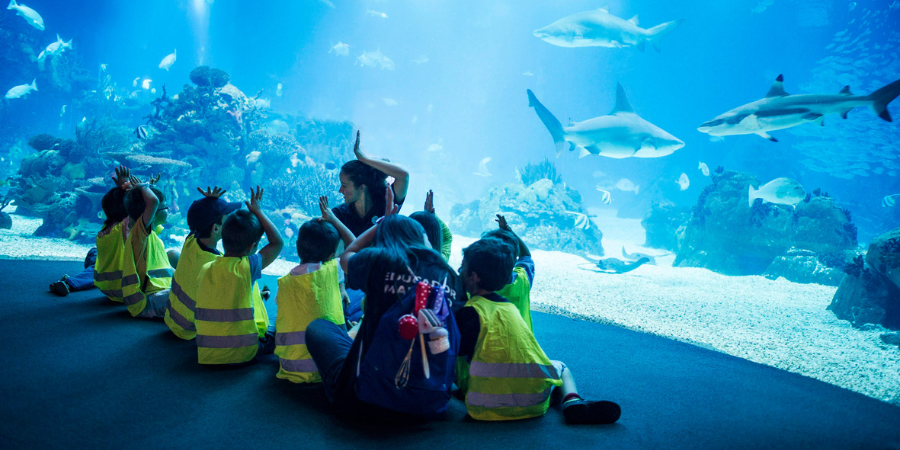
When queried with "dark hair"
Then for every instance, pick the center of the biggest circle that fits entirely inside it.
(113, 205)
(205, 233)
(432, 228)
(362, 174)
(135, 204)
(504, 235)
(241, 230)
(317, 240)
(493, 260)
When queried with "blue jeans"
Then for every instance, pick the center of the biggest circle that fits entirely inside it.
(85, 279)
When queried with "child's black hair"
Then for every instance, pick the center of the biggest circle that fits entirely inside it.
(113, 205)
(205, 233)
(135, 204)
(432, 228)
(505, 236)
(317, 240)
(493, 260)
(241, 230)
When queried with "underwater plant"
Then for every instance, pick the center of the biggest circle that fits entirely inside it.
(544, 169)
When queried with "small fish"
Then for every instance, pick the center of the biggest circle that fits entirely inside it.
(482, 168)
(889, 200)
(528, 73)
(146, 83)
(102, 66)
(168, 60)
(627, 185)
(263, 103)
(437, 147)
(373, 59)
(57, 48)
(153, 90)
(134, 82)
(376, 14)
(783, 191)
(31, 16)
(420, 60)
(390, 102)
(330, 166)
(582, 220)
(278, 90)
(22, 90)
(704, 168)
(683, 182)
(607, 197)
(340, 48)
(62, 111)
(142, 132)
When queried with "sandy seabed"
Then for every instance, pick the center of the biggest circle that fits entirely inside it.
(773, 322)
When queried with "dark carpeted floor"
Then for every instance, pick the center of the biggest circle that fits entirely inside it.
(79, 372)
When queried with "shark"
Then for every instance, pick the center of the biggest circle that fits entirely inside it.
(599, 28)
(779, 110)
(620, 134)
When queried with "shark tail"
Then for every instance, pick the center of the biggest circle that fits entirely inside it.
(655, 34)
(750, 195)
(34, 84)
(550, 121)
(882, 97)
(12, 4)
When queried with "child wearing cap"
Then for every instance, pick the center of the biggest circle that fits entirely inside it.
(312, 290)
(205, 218)
(231, 320)
(147, 266)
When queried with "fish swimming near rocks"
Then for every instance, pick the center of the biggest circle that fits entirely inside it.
(482, 168)
(57, 48)
(340, 48)
(783, 191)
(582, 220)
(637, 255)
(142, 132)
(607, 197)
(620, 134)
(22, 90)
(704, 169)
(780, 110)
(31, 16)
(599, 28)
(146, 83)
(683, 182)
(614, 265)
(373, 59)
(168, 60)
(62, 111)
(889, 200)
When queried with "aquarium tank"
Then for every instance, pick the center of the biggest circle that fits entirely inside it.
(725, 174)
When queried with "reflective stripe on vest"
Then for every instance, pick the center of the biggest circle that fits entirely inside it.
(509, 377)
(302, 299)
(181, 305)
(226, 315)
(108, 266)
(519, 294)
(159, 272)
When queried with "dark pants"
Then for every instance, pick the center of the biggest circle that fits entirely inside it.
(329, 346)
(354, 310)
(85, 279)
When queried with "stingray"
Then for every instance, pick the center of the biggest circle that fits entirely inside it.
(613, 265)
(636, 256)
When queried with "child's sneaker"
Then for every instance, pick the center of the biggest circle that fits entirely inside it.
(583, 412)
(60, 288)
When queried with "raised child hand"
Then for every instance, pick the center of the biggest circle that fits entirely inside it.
(327, 214)
(254, 205)
(429, 201)
(501, 221)
(121, 178)
(154, 180)
(216, 192)
(135, 182)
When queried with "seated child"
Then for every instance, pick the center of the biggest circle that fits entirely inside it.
(508, 376)
(231, 320)
(517, 291)
(147, 268)
(205, 218)
(311, 291)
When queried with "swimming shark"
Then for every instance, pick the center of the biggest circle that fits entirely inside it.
(779, 110)
(620, 134)
(599, 28)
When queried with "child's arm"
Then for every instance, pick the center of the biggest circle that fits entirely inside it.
(328, 216)
(271, 251)
(363, 241)
(523, 249)
(446, 234)
(150, 200)
(401, 176)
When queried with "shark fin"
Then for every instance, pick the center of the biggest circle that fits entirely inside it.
(634, 19)
(750, 122)
(604, 8)
(882, 97)
(820, 121)
(622, 103)
(777, 89)
(584, 152)
(641, 46)
(844, 113)
(845, 91)
(763, 134)
(572, 146)
(550, 121)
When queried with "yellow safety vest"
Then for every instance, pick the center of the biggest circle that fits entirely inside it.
(519, 293)
(510, 377)
(230, 316)
(108, 267)
(181, 305)
(159, 272)
(302, 299)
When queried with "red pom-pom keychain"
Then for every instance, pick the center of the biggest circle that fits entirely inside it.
(409, 327)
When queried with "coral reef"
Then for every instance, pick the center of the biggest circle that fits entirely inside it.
(663, 225)
(208, 76)
(534, 172)
(326, 140)
(869, 292)
(5, 219)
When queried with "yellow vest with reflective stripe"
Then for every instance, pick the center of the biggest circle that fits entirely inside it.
(230, 317)
(510, 377)
(182, 298)
(519, 293)
(159, 273)
(302, 299)
(108, 267)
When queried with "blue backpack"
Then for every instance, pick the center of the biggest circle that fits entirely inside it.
(390, 358)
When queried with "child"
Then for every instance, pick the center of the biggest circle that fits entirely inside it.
(509, 376)
(517, 291)
(205, 219)
(439, 235)
(311, 291)
(147, 268)
(231, 320)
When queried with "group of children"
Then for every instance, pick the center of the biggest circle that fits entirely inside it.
(214, 298)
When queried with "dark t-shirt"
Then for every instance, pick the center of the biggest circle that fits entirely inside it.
(358, 225)
(469, 324)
